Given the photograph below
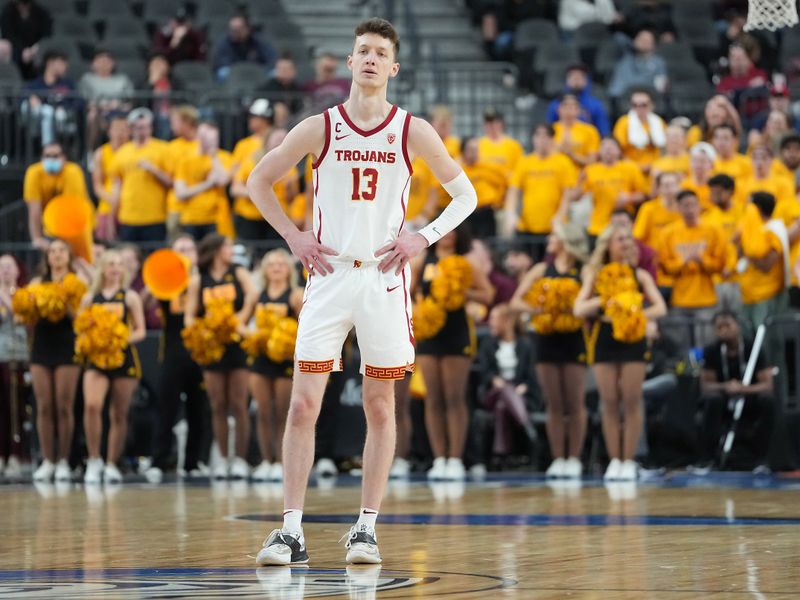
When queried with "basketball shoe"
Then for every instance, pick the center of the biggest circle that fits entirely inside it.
(362, 545)
(283, 548)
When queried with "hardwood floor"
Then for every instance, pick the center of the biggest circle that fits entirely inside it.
(680, 537)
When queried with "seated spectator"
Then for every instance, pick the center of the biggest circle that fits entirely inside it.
(655, 215)
(141, 182)
(693, 253)
(105, 91)
(724, 362)
(574, 13)
(283, 90)
(159, 85)
(498, 21)
(24, 23)
(580, 141)
(540, 182)
(640, 132)
(742, 75)
(701, 163)
(327, 89)
(505, 360)
(518, 261)
(729, 161)
(51, 98)
(178, 40)
(790, 157)
(53, 176)
(776, 126)
(718, 111)
(242, 45)
(727, 215)
(765, 245)
(495, 146)
(200, 182)
(652, 14)
(676, 154)
(592, 109)
(490, 184)
(779, 99)
(643, 256)
(640, 67)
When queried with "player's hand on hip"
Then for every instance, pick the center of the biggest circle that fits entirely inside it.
(397, 253)
(311, 253)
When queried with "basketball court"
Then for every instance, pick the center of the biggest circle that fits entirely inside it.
(675, 536)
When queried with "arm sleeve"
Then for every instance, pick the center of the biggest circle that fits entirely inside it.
(464, 200)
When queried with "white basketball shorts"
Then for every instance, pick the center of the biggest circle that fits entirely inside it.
(357, 295)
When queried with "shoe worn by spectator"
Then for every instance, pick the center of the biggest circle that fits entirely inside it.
(613, 470)
(13, 468)
(45, 471)
(283, 548)
(154, 475)
(262, 471)
(111, 474)
(437, 471)
(573, 468)
(220, 470)
(326, 468)
(63, 472)
(400, 468)
(94, 471)
(362, 545)
(454, 470)
(239, 468)
(556, 469)
(276, 472)
(629, 471)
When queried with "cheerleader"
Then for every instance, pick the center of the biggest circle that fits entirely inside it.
(226, 379)
(445, 358)
(271, 382)
(55, 374)
(13, 357)
(110, 289)
(561, 357)
(619, 367)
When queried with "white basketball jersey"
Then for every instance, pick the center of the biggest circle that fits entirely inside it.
(361, 184)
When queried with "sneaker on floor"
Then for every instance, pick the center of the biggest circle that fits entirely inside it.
(454, 470)
(111, 474)
(326, 468)
(613, 470)
(362, 546)
(283, 548)
(63, 472)
(573, 468)
(45, 471)
(240, 469)
(437, 471)
(94, 471)
(400, 468)
(13, 468)
(262, 471)
(220, 469)
(276, 472)
(154, 475)
(556, 469)
(629, 471)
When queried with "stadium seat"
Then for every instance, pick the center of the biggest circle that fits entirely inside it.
(135, 69)
(127, 28)
(557, 56)
(246, 76)
(158, 12)
(532, 33)
(74, 26)
(192, 75)
(100, 10)
(587, 38)
(123, 48)
(606, 58)
(209, 10)
(67, 45)
(9, 76)
(676, 52)
(687, 71)
(59, 8)
(265, 8)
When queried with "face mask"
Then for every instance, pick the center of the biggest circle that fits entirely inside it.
(52, 166)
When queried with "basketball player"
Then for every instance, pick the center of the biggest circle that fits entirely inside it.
(357, 257)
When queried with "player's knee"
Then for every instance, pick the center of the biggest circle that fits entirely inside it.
(303, 410)
(379, 411)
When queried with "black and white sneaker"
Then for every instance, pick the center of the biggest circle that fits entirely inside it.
(283, 548)
(362, 545)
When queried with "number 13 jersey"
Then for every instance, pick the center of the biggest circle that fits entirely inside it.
(361, 184)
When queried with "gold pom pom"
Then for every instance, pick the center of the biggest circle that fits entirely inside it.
(101, 337)
(50, 302)
(206, 338)
(428, 318)
(554, 298)
(628, 321)
(613, 279)
(72, 288)
(23, 303)
(280, 346)
(453, 279)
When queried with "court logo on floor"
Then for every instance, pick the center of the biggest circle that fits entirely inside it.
(286, 583)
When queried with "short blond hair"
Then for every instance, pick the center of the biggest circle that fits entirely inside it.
(187, 113)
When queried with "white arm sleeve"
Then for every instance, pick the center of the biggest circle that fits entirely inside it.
(464, 200)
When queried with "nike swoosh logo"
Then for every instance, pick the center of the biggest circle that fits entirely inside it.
(388, 289)
(436, 230)
(341, 137)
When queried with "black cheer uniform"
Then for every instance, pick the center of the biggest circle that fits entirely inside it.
(130, 366)
(229, 288)
(457, 337)
(561, 348)
(609, 350)
(262, 365)
(53, 344)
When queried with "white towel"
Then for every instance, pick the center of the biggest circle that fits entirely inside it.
(777, 227)
(638, 136)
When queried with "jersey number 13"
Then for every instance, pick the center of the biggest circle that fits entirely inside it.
(369, 176)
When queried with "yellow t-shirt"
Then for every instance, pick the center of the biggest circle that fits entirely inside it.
(490, 183)
(584, 138)
(671, 164)
(737, 166)
(757, 285)
(652, 218)
(421, 183)
(780, 187)
(283, 188)
(505, 153)
(694, 135)
(702, 191)
(728, 221)
(692, 283)
(542, 182)
(40, 186)
(177, 150)
(641, 156)
(143, 199)
(203, 208)
(778, 169)
(605, 183)
(246, 147)
(107, 154)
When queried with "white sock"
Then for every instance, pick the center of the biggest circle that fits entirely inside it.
(291, 520)
(367, 516)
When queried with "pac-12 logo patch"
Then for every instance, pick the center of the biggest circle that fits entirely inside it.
(390, 138)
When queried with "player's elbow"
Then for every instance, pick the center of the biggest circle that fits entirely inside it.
(258, 179)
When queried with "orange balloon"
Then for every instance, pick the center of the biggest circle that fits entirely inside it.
(70, 218)
(166, 273)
